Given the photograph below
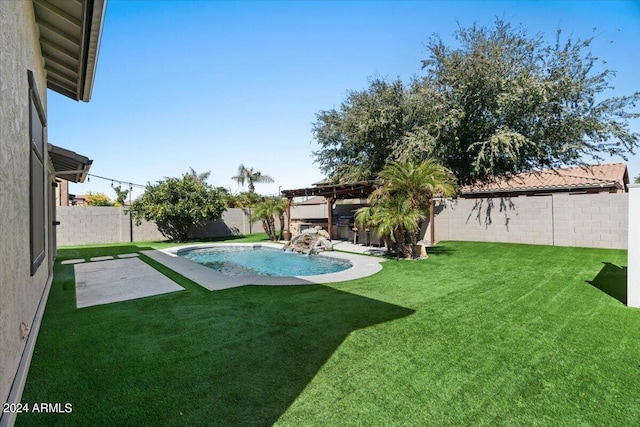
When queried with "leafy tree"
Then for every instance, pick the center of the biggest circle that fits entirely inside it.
(400, 203)
(178, 204)
(251, 177)
(357, 139)
(121, 195)
(637, 181)
(501, 102)
(98, 199)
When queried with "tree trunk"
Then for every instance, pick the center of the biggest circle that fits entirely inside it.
(281, 217)
(272, 227)
(265, 226)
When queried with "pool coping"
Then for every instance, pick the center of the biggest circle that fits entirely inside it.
(362, 266)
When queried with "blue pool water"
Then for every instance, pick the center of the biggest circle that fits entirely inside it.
(247, 261)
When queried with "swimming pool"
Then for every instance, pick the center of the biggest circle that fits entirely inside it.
(361, 266)
(238, 261)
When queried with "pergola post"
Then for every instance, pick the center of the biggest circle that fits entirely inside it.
(432, 221)
(289, 202)
(329, 215)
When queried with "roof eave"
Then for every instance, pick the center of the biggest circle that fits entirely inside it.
(69, 165)
(70, 34)
(542, 189)
(92, 47)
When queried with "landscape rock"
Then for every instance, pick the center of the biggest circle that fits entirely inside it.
(310, 241)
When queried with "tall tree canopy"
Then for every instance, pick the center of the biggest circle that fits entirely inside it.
(500, 102)
(358, 139)
(98, 199)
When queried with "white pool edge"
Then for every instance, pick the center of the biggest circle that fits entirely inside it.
(361, 266)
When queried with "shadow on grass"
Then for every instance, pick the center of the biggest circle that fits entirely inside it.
(235, 357)
(87, 252)
(439, 250)
(612, 280)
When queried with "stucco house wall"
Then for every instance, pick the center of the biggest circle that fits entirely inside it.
(303, 211)
(20, 293)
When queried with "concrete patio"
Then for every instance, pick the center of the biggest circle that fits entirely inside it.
(107, 281)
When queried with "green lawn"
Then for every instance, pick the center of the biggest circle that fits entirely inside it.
(478, 334)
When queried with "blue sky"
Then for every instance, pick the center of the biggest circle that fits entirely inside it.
(210, 84)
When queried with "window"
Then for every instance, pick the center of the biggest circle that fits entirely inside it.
(37, 123)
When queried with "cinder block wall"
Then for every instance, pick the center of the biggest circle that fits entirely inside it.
(585, 220)
(81, 225)
(85, 225)
(234, 222)
(592, 220)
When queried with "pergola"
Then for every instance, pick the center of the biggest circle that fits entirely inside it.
(333, 192)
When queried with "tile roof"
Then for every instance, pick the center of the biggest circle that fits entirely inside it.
(612, 175)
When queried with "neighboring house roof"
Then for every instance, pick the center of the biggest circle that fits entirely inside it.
(315, 200)
(325, 181)
(606, 177)
(78, 200)
(70, 34)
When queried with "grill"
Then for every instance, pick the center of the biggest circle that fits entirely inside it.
(344, 226)
(344, 220)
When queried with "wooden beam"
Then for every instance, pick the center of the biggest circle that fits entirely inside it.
(289, 202)
(329, 216)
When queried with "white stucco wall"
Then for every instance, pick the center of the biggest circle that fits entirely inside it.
(309, 211)
(20, 293)
(633, 254)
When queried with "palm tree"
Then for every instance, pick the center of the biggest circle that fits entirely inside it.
(281, 208)
(416, 182)
(251, 177)
(395, 221)
(199, 176)
(265, 210)
(400, 203)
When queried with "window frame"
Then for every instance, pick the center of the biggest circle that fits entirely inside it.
(37, 189)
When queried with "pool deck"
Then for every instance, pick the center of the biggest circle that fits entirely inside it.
(362, 266)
